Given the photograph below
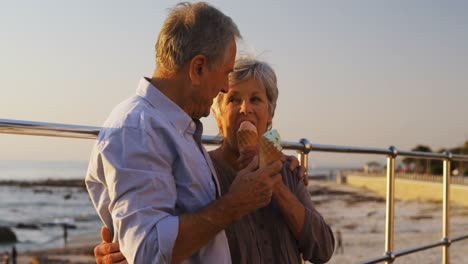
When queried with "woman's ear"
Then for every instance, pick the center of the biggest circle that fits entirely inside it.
(269, 126)
(269, 123)
(217, 118)
(197, 66)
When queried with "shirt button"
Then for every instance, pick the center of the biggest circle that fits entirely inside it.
(192, 125)
(180, 131)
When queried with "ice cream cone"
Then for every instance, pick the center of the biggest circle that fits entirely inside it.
(247, 143)
(270, 149)
(246, 138)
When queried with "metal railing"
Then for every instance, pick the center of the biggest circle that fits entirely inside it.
(459, 179)
(303, 148)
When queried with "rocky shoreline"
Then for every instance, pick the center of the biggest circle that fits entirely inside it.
(45, 183)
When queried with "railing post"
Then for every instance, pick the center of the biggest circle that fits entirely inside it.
(303, 156)
(446, 210)
(390, 208)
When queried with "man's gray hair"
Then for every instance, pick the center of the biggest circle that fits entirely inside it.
(192, 29)
(245, 68)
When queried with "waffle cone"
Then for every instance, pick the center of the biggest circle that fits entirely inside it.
(268, 153)
(246, 138)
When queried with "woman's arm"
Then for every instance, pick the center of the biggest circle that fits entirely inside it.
(292, 209)
(314, 236)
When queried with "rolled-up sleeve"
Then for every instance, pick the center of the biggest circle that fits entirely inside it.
(316, 240)
(142, 195)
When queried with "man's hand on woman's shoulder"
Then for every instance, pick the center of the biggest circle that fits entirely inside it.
(294, 164)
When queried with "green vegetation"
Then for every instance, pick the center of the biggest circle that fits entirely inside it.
(436, 167)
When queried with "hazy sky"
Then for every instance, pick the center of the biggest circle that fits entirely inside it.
(360, 73)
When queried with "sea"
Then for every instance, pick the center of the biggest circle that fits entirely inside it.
(37, 214)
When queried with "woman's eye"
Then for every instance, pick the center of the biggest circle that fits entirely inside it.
(233, 99)
(255, 99)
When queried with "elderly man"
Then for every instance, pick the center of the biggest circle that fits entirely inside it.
(149, 177)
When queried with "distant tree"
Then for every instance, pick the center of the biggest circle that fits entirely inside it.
(461, 166)
(436, 167)
(420, 165)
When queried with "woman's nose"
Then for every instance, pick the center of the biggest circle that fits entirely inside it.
(246, 108)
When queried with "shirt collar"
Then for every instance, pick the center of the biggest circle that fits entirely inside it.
(179, 119)
(197, 130)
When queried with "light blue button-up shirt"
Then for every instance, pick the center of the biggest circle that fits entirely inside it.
(145, 170)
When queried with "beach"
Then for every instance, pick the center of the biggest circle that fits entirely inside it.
(50, 219)
(78, 250)
(360, 216)
(358, 213)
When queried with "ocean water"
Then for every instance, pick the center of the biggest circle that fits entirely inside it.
(42, 170)
(46, 208)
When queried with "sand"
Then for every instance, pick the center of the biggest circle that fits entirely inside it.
(358, 213)
(78, 251)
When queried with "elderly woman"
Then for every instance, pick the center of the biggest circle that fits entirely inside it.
(289, 227)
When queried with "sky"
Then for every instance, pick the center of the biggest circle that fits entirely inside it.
(354, 73)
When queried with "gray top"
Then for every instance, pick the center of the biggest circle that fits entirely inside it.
(264, 236)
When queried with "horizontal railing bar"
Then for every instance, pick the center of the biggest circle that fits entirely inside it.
(422, 155)
(418, 248)
(460, 238)
(292, 145)
(376, 260)
(211, 140)
(458, 157)
(9, 126)
(408, 251)
(349, 149)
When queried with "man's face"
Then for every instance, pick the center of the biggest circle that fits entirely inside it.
(214, 81)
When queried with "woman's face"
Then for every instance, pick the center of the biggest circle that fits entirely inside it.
(245, 101)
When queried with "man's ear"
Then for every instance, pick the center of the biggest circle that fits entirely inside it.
(197, 67)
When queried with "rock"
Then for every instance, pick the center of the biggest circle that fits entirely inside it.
(7, 235)
(27, 226)
(43, 191)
